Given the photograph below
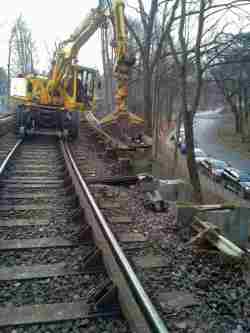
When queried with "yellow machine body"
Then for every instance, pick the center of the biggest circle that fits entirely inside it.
(70, 88)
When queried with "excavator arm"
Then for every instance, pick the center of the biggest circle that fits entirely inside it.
(124, 62)
(68, 50)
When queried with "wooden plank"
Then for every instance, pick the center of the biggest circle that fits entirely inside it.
(128, 237)
(32, 186)
(52, 160)
(42, 313)
(120, 219)
(35, 195)
(113, 180)
(22, 222)
(214, 207)
(39, 173)
(32, 180)
(22, 272)
(40, 152)
(5, 208)
(40, 166)
(150, 261)
(33, 243)
(109, 205)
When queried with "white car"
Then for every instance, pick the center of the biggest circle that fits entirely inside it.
(200, 155)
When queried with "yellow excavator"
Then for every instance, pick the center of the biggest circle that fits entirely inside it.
(53, 104)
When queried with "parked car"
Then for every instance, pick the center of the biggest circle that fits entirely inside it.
(200, 155)
(213, 168)
(237, 181)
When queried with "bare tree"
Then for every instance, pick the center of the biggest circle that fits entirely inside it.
(231, 71)
(150, 41)
(23, 48)
(197, 31)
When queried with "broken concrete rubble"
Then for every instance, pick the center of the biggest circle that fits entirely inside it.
(233, 223)
(170, 190)
(195, 216)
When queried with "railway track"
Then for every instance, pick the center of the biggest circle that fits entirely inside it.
(61, 269)
(191, 287)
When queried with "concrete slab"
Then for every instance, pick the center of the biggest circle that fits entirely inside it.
(233, 223)
(170, 189)
(175, 190)
(150, 261)
(184, 215)
(177, 300)
(128, 237)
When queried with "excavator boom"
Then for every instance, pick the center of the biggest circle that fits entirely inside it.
(69, 88)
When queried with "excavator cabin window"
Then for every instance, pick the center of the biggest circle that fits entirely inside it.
(84, 86)
(87, 78)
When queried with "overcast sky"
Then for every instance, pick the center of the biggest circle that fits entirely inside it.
(49, 20)
(55, 20)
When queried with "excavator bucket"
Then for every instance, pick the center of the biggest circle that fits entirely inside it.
(114, 117)
(125, 126)
(121, 120)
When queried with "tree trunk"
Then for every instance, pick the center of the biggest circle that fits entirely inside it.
(147, 94)
(178, 127)
(170, 103)
(236, 114)
(236, 119)
(244, 116)
(191, 164)
(156, 114)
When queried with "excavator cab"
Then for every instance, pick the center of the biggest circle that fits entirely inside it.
(86, 86)
(80, 87)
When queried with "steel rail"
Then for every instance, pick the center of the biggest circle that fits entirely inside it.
(150, 314)
(9, 156)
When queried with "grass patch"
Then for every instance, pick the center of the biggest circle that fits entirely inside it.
(233, 141)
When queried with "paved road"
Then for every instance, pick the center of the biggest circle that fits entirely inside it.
(206, 125)
(3, 108)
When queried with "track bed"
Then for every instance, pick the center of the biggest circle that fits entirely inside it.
(193, 286)
(45, 285)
